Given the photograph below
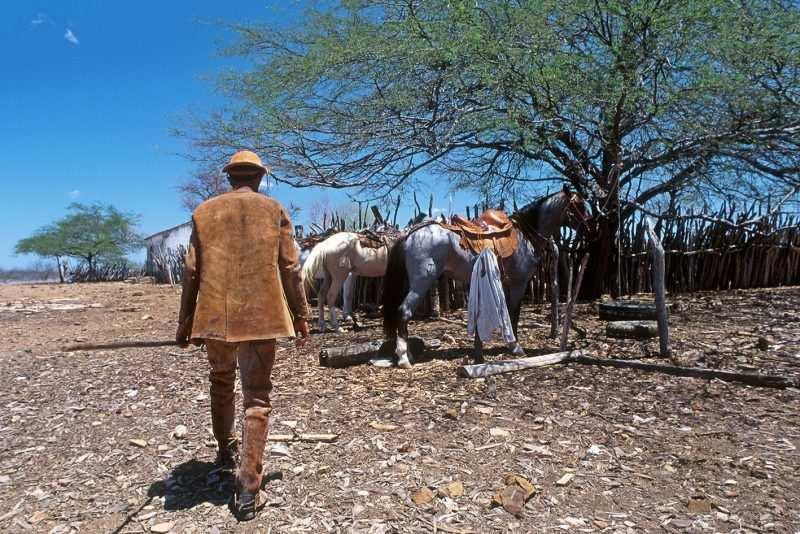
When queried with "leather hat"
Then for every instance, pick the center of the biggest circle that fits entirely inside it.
(244, 160)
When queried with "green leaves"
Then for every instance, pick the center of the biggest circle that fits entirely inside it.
(90, 232)
(369, 94)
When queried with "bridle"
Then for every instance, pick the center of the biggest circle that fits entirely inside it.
(578, 216)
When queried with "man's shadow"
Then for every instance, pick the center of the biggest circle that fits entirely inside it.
(193, 483)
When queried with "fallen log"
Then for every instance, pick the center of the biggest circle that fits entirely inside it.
(632, 329)
(508, 366)
(361, 353)
(309, 438)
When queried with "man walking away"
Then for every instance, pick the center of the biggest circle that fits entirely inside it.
(242, 290)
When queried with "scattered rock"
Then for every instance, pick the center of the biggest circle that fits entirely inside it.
(452, 489)
(564, 480)
(180, 432)
(138, 442)
(699, 505)
(423, 496)
(497, 432)
(384, 427)
(517, 492)
(161, 528)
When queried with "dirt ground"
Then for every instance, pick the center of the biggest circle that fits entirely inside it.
(607, 450)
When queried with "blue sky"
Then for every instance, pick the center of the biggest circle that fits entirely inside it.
(88, 94)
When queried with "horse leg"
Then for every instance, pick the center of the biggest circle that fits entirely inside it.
(515, 295)
(406, 311)
(333, 294)
(321, 296)
(347, 298)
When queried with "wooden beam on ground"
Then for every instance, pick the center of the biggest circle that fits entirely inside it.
(131, 344)
(509, 366)
(753, 379)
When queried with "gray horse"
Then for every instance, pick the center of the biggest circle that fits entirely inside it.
(418, 260)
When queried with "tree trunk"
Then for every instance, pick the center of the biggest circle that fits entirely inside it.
(601, 259)
(60, 270)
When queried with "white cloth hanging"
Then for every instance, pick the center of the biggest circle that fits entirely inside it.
(487, 310)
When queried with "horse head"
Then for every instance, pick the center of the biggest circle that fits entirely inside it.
(577, 213)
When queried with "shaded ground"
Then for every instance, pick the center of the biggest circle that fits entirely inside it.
(639, 446)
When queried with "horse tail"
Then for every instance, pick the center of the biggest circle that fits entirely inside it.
(395, 288)
(313, 265)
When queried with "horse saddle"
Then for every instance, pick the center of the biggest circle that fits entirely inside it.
(369, 239)
(493, 230)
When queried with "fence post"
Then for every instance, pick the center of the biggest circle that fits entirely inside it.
(554, 294)
(659, 290)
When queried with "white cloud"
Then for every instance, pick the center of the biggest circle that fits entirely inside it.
(75, 193)
(69, 36)
(42, 18)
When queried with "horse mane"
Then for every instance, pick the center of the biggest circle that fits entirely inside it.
(527, 217)
(529, 213)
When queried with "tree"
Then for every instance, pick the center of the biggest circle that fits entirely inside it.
(90, 233)
(47, 243)
(201, 186)
(207, 184)
(623, 99)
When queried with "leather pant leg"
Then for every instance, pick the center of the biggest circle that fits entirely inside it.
(222, 357)
(256, 359)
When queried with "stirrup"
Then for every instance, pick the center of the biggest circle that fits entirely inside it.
(247, 505)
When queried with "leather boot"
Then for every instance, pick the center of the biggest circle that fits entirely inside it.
(254, 439)
(249, 498)
(227, 454)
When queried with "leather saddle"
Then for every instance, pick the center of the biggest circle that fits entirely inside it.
(493, 230)
(375, 240)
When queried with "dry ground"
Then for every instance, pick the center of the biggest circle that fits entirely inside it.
(639, 446)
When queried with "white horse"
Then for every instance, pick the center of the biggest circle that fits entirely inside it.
(337, 261)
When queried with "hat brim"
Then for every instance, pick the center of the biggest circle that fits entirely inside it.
(230, 168)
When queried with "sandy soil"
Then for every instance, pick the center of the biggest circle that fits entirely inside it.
(645, 452)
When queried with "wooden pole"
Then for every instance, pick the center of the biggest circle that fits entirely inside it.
(571, 303)
(753, 379)
(554, 292)
(121, 345)
(659, 288)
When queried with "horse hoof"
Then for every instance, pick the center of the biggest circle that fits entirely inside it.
(403, 362)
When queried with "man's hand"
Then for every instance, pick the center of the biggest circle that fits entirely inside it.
(302, 331)
(183, 333)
